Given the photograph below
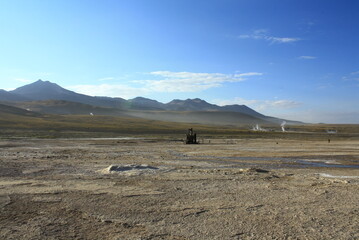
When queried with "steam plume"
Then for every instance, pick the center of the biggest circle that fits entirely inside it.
(282, 125)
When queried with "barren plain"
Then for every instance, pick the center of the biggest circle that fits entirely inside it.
(164, 189)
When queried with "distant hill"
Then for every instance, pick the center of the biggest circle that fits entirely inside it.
(202, 117)
(45, 90)
(191, 105)
(8, 96)
(141, 103)
(47, 97)
(65, 108)
(199, 117)
(242, 109)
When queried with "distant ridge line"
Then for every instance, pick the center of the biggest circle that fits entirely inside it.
(46, 90)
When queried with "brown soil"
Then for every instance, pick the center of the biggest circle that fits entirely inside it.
(225, 189)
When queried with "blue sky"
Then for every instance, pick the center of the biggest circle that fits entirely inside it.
(285, 58)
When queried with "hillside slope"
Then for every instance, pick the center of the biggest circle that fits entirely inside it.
(201, 117)
(45, 90)
(66, 108)
(198, 117)
(10, 110)
(47, 97)
(8, 96)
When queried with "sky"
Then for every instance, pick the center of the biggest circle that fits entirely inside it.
(293, 59)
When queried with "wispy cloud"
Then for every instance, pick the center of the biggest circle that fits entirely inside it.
(282, 39)
(261, 104)
(248, 74)
(280, 104)
(307, 57)
(353, 76)
(263, 34)
(163, 81)
(190, 81)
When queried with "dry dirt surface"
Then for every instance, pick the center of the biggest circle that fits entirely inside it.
(157, 189)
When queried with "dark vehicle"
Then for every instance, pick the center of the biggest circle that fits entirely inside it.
(191, 137)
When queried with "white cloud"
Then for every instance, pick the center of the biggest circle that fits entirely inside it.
(166, 81)
(191, 82)
(307, 57)
(9, 89)
(261, 104)
(248, 74)
(282, 39)
(280, 104)
(262, 34)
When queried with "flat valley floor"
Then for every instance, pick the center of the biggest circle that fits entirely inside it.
(160, 189)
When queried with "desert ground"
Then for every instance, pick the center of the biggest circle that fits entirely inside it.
(158, 188)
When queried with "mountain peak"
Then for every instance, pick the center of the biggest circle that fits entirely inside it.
(195, 104)
(146, 103)
(141, 99)
(40, 90)
(196, 100)
(41, 82)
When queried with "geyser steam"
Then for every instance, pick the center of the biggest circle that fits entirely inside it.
(282, 125)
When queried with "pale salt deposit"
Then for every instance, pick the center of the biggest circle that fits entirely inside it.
(129, 169)
(332, 176)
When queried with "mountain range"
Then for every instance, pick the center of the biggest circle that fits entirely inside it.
(46, 97)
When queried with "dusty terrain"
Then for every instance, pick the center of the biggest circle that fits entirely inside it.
(222, 189)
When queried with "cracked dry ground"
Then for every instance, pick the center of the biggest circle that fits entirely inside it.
(53, 189)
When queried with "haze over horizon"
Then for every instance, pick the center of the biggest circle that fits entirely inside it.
(296, 60)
